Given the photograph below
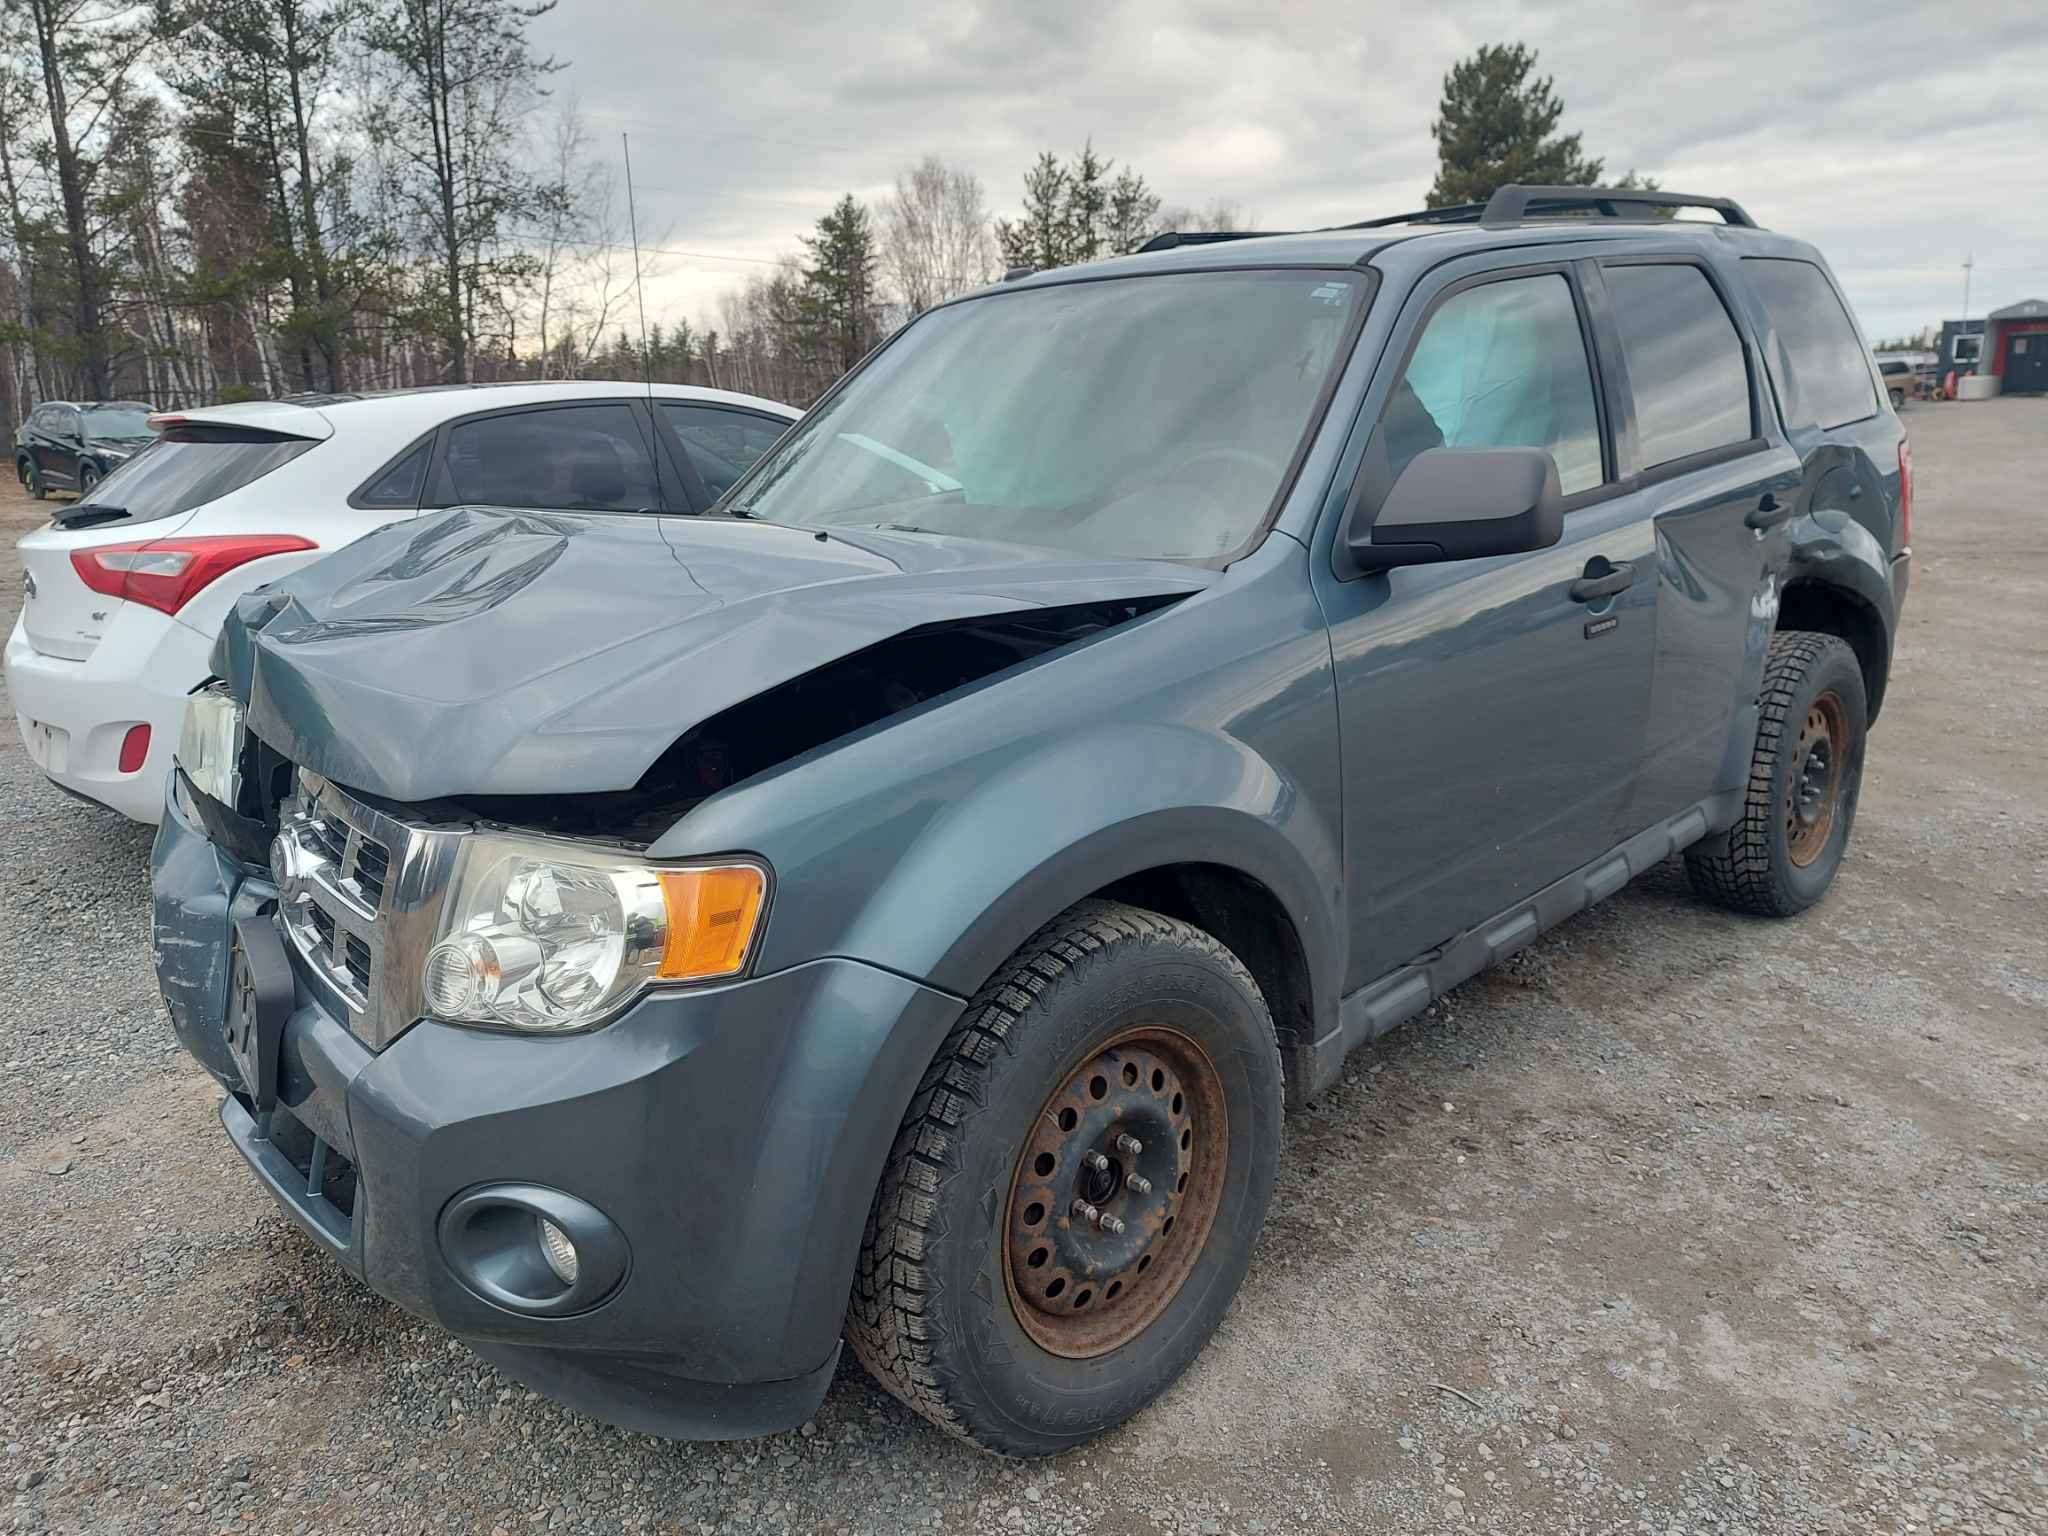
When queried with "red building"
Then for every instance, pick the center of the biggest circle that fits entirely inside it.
(2016, 347)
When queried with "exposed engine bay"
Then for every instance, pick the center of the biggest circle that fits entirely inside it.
(808, 712)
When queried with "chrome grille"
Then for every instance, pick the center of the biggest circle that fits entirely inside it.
(355, 957)
(359, 897)
(372, 864)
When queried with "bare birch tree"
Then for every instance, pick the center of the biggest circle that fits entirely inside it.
(937, 238)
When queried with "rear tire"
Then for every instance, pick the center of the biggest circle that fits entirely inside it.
(1804, 776)
(984, 1299)
(32, 479)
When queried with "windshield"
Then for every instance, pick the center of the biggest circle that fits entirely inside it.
(118, 423)
(1148, 417)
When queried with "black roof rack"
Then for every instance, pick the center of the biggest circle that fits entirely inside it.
(1168, 239)
(1513, 205)
(1509, 206)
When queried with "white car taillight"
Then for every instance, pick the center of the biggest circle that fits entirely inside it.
(164, 573)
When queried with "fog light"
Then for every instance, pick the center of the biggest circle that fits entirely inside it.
(533, 1250)
(556, 1248)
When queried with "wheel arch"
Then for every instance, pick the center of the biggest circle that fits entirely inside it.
(1243, 915)
(1832, 608)
(1228, 873)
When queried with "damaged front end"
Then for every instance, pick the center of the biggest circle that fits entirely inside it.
(791, 720)
(599, 676)
(594, 679)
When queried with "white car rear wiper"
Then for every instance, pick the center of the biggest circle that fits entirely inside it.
(87, 514)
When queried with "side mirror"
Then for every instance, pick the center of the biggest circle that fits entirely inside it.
(1462, 504)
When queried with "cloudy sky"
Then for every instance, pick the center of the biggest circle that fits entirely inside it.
(1899, 135)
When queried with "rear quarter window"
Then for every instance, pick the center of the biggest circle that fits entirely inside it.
(1819, 366)
(187, 467)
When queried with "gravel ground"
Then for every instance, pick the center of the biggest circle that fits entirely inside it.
(1678, 1223)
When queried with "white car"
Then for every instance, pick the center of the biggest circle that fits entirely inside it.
(123, 593)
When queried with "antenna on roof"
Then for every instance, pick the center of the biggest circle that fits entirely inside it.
(639, 297)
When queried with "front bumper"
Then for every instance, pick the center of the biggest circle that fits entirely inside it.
(733, 1134)
(73, 715)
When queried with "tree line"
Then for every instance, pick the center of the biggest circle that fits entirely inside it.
(211, 200)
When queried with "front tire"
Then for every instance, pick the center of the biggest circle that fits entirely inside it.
(1073, 1197)
(1805, 772)
(88, 477)
(32, 479)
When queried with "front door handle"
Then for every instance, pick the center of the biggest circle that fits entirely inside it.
(1767, 513)
(1602, 583)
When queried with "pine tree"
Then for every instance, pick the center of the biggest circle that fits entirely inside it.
(1133, 213)
(1496, 125)
(262, 68)
(1039, 238)
(839, 305)
(1087, 205)
(1076, 213)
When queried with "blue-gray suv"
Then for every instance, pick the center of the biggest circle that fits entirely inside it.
(896, 905)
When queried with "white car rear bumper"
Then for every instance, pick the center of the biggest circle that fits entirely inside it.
(74, 715)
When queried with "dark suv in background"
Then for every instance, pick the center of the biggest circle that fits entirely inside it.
(898, 903)
(67, 446)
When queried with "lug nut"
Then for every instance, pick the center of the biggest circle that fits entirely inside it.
(1129, 1145)
(1112, 1225)
(1138, 1184)
(1096, 1161)
(1086, 1211)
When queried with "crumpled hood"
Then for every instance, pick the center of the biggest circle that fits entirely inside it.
(487, 652)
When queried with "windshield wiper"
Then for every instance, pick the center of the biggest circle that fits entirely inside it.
(87, 514)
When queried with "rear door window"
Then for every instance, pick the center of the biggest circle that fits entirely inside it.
(1502, 365)
(1821, 371)
(722, 444)
(191, 465)
(572, 458)
(1686, 370)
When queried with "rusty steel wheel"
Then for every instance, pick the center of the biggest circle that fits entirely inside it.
(1114, 1193)
(1077, 1187)
(1814, 785)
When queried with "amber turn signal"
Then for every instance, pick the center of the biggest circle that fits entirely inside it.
(711, 918)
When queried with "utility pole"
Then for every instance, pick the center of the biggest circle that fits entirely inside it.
(1969, 261)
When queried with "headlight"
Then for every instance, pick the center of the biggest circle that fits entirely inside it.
(210, 744)
(542, 935)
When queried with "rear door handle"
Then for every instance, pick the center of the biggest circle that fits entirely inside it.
(1767, 513)
(1617, 578)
